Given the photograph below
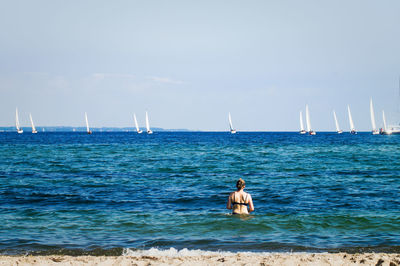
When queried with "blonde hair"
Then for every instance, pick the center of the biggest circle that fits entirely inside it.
(240, 184)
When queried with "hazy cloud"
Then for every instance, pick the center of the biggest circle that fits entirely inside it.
(165, 80)
(101, 76)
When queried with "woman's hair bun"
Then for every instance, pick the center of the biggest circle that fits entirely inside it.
(240, 183)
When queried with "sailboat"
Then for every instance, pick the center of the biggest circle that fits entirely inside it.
(136, 124)
(19, 130)
(393, 129)
(338, 130)
(302, 131)
(148, 125)
(371, 109)
(34, 131)
(233, 131)
(309, 130)
(384, 130)
(352, 128)
(87, 125)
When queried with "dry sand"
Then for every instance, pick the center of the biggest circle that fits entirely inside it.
(235, 259)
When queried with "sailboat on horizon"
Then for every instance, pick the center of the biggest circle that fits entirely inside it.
(385, 130)
(308, 122)
(137, 125)
(352, 128)
(338, 130)
(19, 129)
(34, 131)
(371, 110)
(233, 131)
(394, 129)
(148, 125)
(302, 131)
(87, 125)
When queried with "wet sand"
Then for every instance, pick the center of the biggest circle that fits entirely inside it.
(223, 259)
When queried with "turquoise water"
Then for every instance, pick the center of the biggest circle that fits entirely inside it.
(73, 193)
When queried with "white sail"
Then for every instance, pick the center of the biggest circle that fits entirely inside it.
(301, 122)
(148, 125)
(371, 109)
(33, 126)
(384, 121)
(308, 123)
(230, 121)
(87, 125)
(336, 122)
(352, 128)
(19, 130)
(233, 131)
(136, 124)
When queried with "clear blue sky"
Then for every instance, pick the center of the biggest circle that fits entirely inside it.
(189, 63)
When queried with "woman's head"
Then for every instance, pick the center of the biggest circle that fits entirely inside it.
(240, 184)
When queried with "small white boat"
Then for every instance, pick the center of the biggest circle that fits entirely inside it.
(136, 124)
(302, 131)
(352, 128)
(148, 125)
(233, 131)
(371, 110)
(384, 130)
(87, 125)
(308, 123)
(338, 130)
(392, 129)
(34, 131)
(388, 130)
(19, 129)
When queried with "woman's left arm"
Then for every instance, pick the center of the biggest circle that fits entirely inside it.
(229, 204)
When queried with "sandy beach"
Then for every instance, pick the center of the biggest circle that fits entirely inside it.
(223, 259)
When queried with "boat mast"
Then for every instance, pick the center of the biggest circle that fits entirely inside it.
(16, 119)
(371, 108)
(148, 124)
(33, 126)
(230, 121)
(336, 121)
(308, 119)
(350, 119)
(136, 124)
(384, 121)
(301, 121)
(87, 123)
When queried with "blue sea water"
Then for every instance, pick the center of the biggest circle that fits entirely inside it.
(73, 193)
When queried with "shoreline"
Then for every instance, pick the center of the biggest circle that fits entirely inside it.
(239, 258)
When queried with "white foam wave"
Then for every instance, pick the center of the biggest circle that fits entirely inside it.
(172, 252)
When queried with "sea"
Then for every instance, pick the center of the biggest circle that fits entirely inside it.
(111, 193)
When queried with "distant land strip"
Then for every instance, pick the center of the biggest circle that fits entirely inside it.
(83, 129)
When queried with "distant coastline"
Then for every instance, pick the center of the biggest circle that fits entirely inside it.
(83, 129)
(156, 129)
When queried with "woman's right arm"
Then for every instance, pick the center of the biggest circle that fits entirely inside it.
(251, 206)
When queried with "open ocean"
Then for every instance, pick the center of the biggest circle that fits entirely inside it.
(109, 193)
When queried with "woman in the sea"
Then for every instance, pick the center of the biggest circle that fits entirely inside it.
(239, 201)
